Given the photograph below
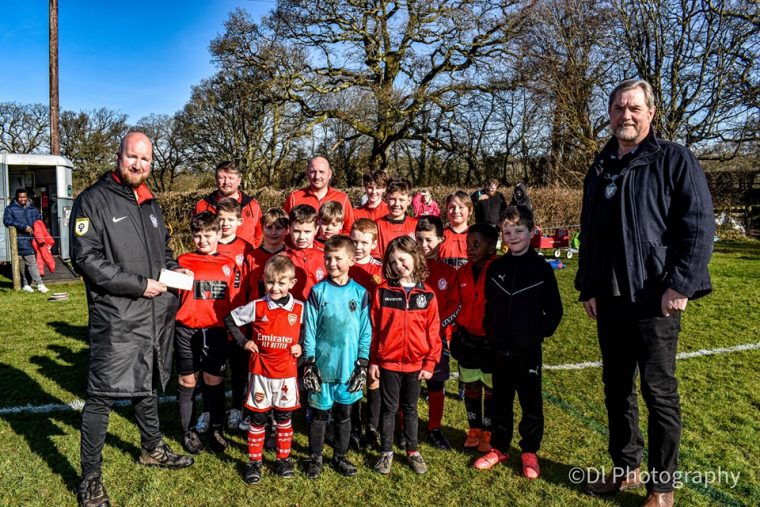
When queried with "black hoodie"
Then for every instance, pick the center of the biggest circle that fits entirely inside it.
(523, 304)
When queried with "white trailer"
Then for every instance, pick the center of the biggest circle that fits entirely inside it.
(47, 179)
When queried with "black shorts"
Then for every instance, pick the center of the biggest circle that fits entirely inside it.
(442, 369)
(201, 350)
(471, 351)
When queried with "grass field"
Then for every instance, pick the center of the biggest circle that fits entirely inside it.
(43, 360)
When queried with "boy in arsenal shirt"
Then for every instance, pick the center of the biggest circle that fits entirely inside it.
(276, 320)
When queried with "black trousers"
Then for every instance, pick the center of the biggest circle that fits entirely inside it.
(520, 374)
(238, 360)
(636, 340)
(399, 390)
(95, 425)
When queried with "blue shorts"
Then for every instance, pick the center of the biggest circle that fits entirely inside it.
(333, 392)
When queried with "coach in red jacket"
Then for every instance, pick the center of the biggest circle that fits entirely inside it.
(228, 178)
(319, 191)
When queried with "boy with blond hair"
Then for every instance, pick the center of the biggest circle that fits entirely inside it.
(276, 321)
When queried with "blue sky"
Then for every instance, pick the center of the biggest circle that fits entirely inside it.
(137, 57)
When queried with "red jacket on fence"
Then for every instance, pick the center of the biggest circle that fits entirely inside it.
(43, 243)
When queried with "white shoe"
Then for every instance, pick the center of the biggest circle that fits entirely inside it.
(41, 287)
(27, 288)
(201, 425)
(245, 424)
(233, 418)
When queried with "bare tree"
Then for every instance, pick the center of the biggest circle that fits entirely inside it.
(90, 139)
(168, 149)
(229, 117)
(403, 55)
(24, 128)
(701, 58)
(570, 59)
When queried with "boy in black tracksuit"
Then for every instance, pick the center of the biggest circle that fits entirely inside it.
(523, 307)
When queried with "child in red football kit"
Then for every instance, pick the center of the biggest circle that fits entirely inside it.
(429, 236)
(398, 195)
(405, 345)
(367, 272)
(308, 260)
(453, 251)
(330, 220)
(276, 226)
(200, 338)
(469, 344)
(239, 250)
(276, 320)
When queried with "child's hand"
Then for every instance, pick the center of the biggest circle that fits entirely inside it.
(296, 350)
(425, 375)
(251, 347)
(374, 373)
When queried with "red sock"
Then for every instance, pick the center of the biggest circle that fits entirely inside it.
(284, 439)
(255, 442)
(435, 409)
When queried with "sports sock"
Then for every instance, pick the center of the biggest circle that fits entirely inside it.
(256, 442)
(284, 438)
(215, 395)
(317, 432)
(356, 417)
(373, 409)
(473, 404)
(185, 404)
(342, 423)
(435, 409)
(489, 408)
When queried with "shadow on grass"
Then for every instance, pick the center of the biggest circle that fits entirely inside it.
(70, 331)
(40, 428)
(65, 367)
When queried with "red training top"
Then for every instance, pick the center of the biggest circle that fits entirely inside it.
(388, 230)
(470, 297)
(305, 196)
(250, 230)
(368, 275)
(240, 251)
(209, 301)
(405, 328)
(453, 249)
(275, 329)
(374, 214)
(310, 269)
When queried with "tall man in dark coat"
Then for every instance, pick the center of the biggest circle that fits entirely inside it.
(119, 245)
(647, 229)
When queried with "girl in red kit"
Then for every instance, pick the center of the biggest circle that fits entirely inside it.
(405, 345)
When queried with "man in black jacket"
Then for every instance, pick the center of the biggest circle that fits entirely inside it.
(488, 203)
(647, 228)
(119, 245)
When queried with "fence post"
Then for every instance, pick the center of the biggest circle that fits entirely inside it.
(14, 258)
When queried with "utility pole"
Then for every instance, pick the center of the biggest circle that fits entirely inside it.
(55, 137)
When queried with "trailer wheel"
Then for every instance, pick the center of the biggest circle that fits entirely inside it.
(569, 254)
(557, 253)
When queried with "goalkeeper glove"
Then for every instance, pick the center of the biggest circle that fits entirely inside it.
(312, 379)
(358, 377)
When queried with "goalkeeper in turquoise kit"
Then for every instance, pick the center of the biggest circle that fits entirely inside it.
(337, 335)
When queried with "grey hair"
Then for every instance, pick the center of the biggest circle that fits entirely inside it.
(630, 84)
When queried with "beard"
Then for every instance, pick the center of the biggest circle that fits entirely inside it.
(627, 133)
(132, 179)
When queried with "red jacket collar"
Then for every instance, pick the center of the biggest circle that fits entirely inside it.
(142, 192)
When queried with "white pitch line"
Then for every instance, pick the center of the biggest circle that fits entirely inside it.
(682, 355)
(76, 405)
